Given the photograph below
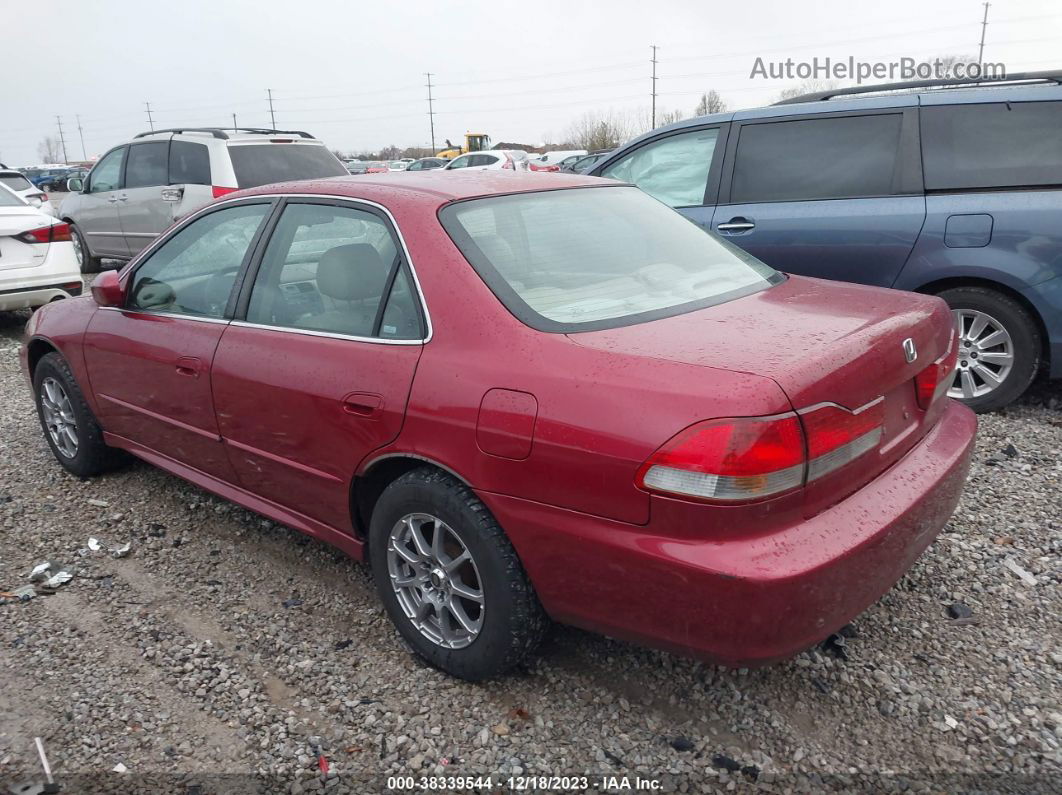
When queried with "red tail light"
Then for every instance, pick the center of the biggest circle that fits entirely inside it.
(508, 163)
(933, 381)
(56, 233)
(219, 191)
(750, 458)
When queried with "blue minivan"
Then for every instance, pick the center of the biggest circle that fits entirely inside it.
(938, 187)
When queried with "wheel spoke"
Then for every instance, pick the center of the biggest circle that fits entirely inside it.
(406, 554)
(419, 541)
(455, 563)
(457, 610)
(987, 375)
(997, 337)
(967, 384)
(977, 328)
(465, 592)
(408, 580)
(423, 609)
(996, 357)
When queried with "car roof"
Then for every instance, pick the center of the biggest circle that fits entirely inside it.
(443, 187)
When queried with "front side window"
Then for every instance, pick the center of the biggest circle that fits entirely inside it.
(261, 164)
(673, 169)
(192, 273)
(108, 172)
(828, 158)
(995, 145)
(335, 270)
(462, 162)
(586, 258)
(147, 165)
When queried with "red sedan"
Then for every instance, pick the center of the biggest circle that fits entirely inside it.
(521, 402)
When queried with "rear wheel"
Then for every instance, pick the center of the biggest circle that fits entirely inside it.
(450, 579)
(999, 347)
(85, 260)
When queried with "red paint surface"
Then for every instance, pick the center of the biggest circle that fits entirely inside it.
(737, 583)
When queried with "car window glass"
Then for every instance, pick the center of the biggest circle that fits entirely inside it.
(462, 162)
(147, 165)
(673, 169)
(108, 172)
(326, 268)
(260, 164)
(192, 273)
(995, 145)
(830, 158)
(15, 181)
(189, 163)
(8, 198)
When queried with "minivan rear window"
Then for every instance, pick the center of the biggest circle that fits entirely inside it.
(588, 258)
(261, 164)
(994, 145)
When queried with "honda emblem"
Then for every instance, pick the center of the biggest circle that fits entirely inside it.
(909, 350)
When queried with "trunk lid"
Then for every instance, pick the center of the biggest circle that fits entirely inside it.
(13, 252)
(821, 342)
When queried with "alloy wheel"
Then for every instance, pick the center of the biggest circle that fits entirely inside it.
(75, 238)
(986, 354)
(436, 580)
(59, 417)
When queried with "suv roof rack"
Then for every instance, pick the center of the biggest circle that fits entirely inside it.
(220, 132)
(1051, 76)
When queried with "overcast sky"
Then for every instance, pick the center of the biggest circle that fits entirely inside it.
(352, 72)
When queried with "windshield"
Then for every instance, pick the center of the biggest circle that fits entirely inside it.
(261, 164)
(588, 258)
(15, 181)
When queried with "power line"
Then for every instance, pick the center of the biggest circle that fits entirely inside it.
(272, 116)
(654, 84)
(984, 27)
(62, 139)
(151, 122)
(431, 114)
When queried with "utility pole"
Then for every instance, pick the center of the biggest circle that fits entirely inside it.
(653, 46)
(84, 156)
(234, 127)
(431, 114)
(984, 26)
(151, 121)
(62, 140)
(272, 118)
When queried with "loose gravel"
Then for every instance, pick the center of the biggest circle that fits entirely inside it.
(224, 647)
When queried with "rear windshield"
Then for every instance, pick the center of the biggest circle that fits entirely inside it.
(261, 164)
(590, 258)
(15, 181)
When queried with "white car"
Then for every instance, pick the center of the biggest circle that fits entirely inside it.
(37, 260)
(490, 160)
(34, 196)
(555, 161)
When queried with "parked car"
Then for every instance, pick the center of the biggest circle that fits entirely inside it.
(501, 396)
(140, 188)
(583, 164)
(37, 262)
(45, 177)
(554, 161)
(944, 189)
(397, 165)
(356, 166)
(494, 159)
(427, 164)
(58, 182)
(376, 167)
(16, 181)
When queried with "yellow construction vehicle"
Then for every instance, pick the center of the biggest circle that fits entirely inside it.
(474, 142)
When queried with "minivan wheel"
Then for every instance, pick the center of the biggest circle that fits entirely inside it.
(449, 578)
(85, 260)
(69, 426)
(999, 347)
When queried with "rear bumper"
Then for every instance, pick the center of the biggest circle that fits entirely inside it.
(744, 601)
(39, 295)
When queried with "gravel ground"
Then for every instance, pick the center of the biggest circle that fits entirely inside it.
(207, 659)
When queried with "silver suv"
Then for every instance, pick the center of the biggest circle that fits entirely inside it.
(138, 189)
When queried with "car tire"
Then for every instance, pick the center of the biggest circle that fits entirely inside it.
(1021, 339)
(69, 426)
(87, 262)
(508, 621)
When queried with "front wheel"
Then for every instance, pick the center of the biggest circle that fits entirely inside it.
(999, 347)
(449, 578)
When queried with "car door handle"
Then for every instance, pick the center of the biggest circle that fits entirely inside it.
(362, 404)
(123, 197)
(738, 224)
(189, 366)
(112, 199)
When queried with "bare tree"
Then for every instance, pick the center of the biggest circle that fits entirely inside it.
(710, 102)
(49, 150)
(594, 130)
(808, 87)
(391, 152)
(669, 117)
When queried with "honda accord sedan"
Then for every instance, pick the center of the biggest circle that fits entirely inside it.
(521, 402)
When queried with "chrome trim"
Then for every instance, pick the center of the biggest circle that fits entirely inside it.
(141, 234)
(176, 315)
(331, 335)
(429, 331)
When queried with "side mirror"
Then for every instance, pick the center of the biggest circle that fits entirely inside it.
(75, 184)
(107, 290)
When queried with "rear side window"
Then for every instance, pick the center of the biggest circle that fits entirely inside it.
(261, 164)
(829, 158)
(673, 169)
(146, 165)
(998, 145)
(189, 164)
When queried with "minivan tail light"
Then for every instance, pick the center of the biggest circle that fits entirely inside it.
(55, 233)
(933, 381)
(219, 191)
(729, 460)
